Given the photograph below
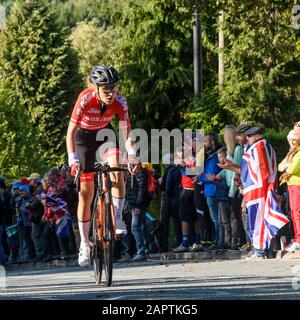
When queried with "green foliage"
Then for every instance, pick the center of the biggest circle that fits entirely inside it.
(39, 73)
(20, 150)
(205, 113)
(262, 59)
(155, 59)
(279, 142)
(7, 4)
(150, 43)
(103, 13)
(94, 46)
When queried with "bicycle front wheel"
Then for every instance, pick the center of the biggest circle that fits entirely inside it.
(96, 251)
(97, 263)
(108, 238)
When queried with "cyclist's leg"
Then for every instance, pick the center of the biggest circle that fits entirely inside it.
(117, 190)
(86, 156)
(85, 198)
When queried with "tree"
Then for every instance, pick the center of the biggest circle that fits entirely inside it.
(95, 45)
(38, 70)
(102, 13)
(155, 59)
(262, 59)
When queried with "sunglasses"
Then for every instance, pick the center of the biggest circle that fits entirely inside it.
(297, 124)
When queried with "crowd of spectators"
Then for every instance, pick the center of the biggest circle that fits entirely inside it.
(38, 216)
(209, 211)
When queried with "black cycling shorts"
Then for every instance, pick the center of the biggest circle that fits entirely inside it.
(87, 146)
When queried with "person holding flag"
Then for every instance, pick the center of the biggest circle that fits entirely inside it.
(258, 172)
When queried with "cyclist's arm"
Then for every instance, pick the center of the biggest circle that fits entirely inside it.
(71, 140)
(82, 101)
(122, 111)
(130, 146)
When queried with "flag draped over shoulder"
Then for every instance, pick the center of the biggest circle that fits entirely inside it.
(258, 175)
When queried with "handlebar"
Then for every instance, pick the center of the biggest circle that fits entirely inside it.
(105, 168)
(99, 168)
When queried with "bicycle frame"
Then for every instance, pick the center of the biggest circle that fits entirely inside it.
(104, 197)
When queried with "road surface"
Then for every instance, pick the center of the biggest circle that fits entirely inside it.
(163, 280)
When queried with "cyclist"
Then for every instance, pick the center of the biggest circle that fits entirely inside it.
(93, 112)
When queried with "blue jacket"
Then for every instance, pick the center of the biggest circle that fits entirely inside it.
(210, 167)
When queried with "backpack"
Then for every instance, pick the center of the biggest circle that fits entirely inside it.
(152, 184)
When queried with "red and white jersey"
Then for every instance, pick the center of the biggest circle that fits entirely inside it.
(87, 111)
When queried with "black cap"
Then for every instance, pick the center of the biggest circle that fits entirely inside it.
(254, 130)
(242, 128)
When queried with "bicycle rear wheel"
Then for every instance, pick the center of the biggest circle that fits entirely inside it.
(96, 251)
(108, 238)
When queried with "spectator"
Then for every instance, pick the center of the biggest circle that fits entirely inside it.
(210, 167)
(234, 153)
(290, 166)
(2, 254)
(297, 130)
(187, 203)
(24, 181)
(206, 227)
(51, 246)
(15, 243)
(35, 183)
(59, 188)
(128, 244)
(258, 174)
(237, 159)
(57, 214)
(138, 201)
(5, 198)
(171, 187)
(70, 194)
(25, 225)
(37, 210)
(222, 181)
(2, 228)
(57, 184)
(245, 220)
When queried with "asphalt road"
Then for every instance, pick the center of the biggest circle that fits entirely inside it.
(163, 280)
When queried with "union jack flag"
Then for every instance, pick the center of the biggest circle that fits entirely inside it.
(59, 213)
(258, 175)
